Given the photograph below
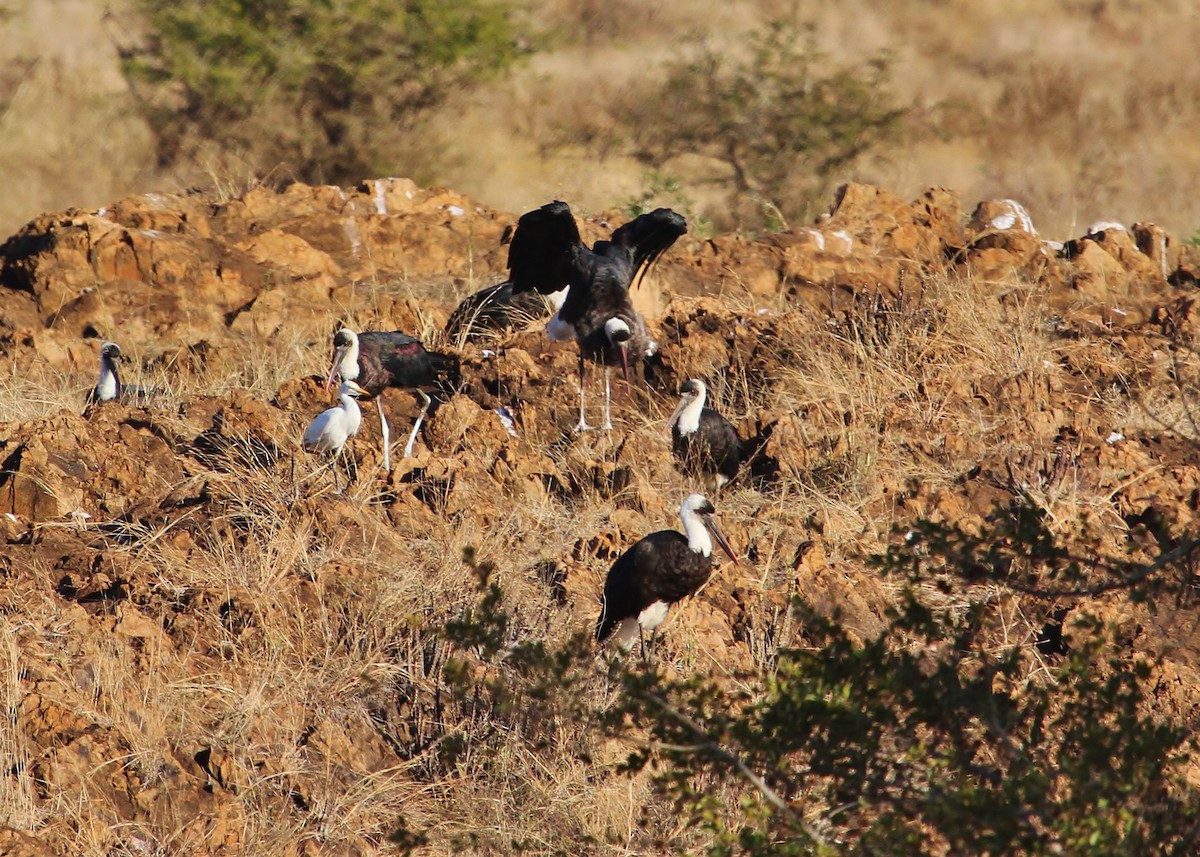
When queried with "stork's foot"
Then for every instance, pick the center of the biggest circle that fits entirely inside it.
(607, 426)
(582, 425)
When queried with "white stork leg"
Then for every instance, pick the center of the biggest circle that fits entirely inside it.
(582, 425)
(412, 438)
(387, 435)
(607, 399)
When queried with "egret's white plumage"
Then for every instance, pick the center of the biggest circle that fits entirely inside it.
(328, 433)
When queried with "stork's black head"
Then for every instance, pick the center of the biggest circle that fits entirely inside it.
(111, 350)
(691, 388)
(699, 504)
(343, 338)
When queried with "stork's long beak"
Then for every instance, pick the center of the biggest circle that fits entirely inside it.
(716, 533)
(333, 368)
(625, 361)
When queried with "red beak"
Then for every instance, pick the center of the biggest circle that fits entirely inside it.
(625, 361)
(333, 369)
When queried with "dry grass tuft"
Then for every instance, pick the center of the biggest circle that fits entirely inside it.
(291, 643)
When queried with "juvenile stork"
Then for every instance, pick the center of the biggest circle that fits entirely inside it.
(547, 254)
(495, 309)
(328, 432)
(660, 569)
(380, 359)
(704, 443)
(109, 386)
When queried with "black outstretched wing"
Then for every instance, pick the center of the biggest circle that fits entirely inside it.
(543, 249)
(648, 236)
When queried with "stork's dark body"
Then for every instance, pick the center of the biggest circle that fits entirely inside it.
(395, 359)
(659, 567)
(714, 448)
(495, 308)
(547, 254)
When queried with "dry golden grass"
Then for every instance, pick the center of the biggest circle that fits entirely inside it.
(303, 625)
(297, 638)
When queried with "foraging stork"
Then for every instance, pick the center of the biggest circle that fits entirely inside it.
(547, 254)
(703, 441)
(328, 433)
(662, 568)
(379, 359)
(496, 308)
(108, 386)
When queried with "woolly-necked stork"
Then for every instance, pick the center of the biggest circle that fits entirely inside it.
(660, 569)
(704, 442)
(547, 254)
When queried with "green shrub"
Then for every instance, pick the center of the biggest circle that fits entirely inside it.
(943, 733)
(784, 120)
(328, 91)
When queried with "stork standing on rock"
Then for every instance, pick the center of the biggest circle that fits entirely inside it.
(109, 386)
(547, 254)
(328, 433)
(380, 359)
(660, 569)
(704, 442)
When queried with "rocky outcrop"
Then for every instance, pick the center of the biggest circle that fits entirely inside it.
(191, 535)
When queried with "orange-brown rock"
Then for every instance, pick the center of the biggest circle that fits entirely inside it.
(217, 651)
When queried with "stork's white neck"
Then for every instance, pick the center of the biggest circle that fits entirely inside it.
(348, 367)
(614, 326)
(697, 534)
(109, 385)
(689, 417)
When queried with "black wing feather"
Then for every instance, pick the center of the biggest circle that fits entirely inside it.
(492, 310)
(403, 360)
(646, 573)
(648, 236)
(543, 248)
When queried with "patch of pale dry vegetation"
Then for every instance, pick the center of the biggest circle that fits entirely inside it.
(1083, 112)
(298, 640)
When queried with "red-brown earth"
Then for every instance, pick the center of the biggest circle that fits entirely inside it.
(156, 558)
